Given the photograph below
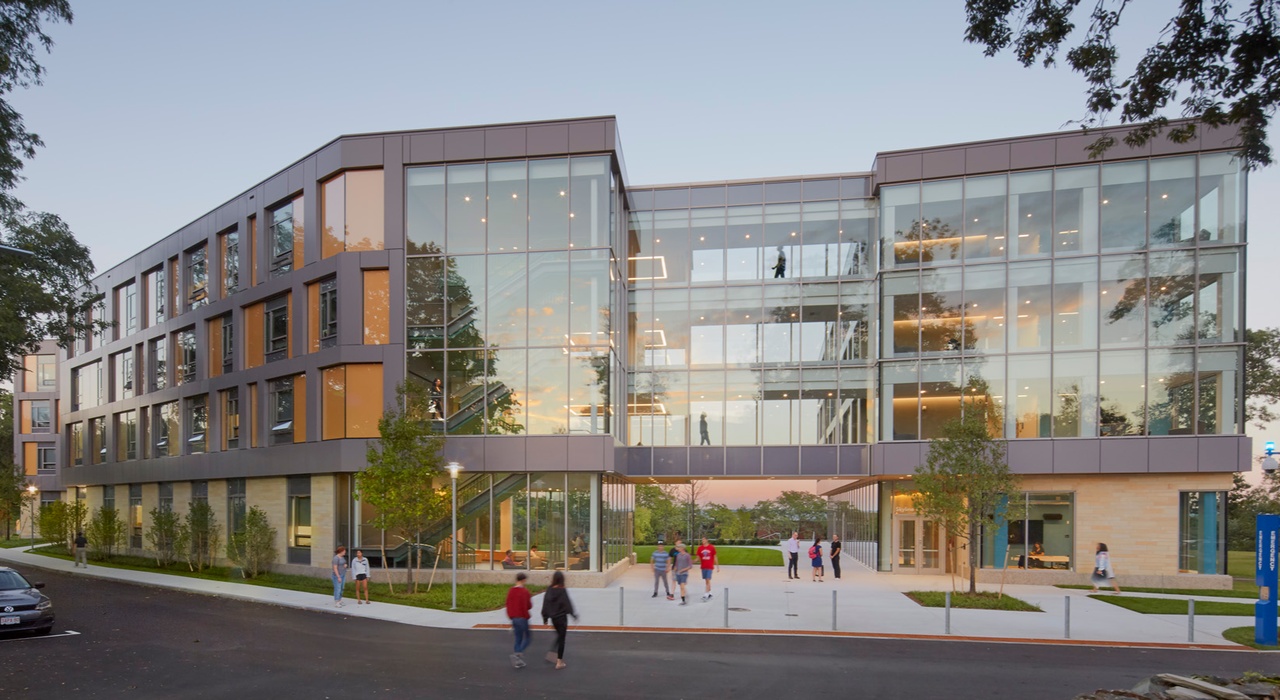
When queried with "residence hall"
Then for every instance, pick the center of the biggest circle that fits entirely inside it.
(576, 335)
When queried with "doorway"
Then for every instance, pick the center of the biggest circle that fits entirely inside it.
(917, 546)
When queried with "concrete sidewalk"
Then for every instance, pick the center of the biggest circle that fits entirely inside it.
(759, 600)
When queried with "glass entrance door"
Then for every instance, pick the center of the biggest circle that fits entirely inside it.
(918, 545)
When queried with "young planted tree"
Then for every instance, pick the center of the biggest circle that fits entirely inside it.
(253, 549)
(105, 532)
(162, 535)
(55, 522)
(965, 482)
(197, 537)
(403, 463)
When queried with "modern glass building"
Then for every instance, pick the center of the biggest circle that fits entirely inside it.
(577, 334)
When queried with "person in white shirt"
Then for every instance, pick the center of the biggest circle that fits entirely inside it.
(360, 569)
(793, 556)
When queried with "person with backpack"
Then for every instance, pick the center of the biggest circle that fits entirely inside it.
(815, 557)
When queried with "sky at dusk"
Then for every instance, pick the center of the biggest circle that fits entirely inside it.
(155, 113)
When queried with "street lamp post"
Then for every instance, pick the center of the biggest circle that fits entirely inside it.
(454, 468)
(31, 493)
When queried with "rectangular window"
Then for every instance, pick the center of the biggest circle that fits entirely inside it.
(253, 251)
(159, 364)
(122, 375)
(230, 400)
(229, 245)
(109, 497)
(228, 343)
(255, 438)
(1041, 540)
(41, 416)
(126, 436)
(352, 207)
(154, 284)
(126, 310)
(185, 342)
(286, 237)
(328, 313)
(281, 407)
(197, 277)
(352, 402)
(276, 330)
(98, 435)
(165, 430)
(135, 516)
(197, 423)
(299, 527)
(75, 440)
(235, 507)
(377, 307)
(86, 389)
(175, 289)
(1202, 532)
(46, 459)
(46, 372)
(165, 490)
(199, 492)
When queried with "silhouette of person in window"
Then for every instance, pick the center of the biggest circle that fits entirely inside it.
(702, 429)
(780, 267)
(435, 401)
(953, 343)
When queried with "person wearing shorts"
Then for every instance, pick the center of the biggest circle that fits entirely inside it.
(683, 563)
(360, 569)
(707, 561)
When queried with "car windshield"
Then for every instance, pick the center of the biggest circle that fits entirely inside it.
(12, 581)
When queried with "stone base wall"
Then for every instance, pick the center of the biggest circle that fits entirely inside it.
(1045, 577)
(443, 576)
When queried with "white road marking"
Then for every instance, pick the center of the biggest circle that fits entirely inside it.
(68, 633)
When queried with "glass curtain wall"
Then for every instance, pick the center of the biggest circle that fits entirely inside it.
(1202, 532)
(855, 516)
(1040, 538)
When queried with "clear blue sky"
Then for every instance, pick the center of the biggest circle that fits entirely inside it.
(153, 113)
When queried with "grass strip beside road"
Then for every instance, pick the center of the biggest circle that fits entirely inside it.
(1245, 636)
(14, 542)
(1174, 606)
(982, 600)
(472, 597)
(728, 556)
(1238, 592)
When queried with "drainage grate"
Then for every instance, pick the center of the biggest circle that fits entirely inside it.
(739, 609)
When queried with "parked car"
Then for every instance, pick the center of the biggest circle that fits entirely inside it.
(23, 608)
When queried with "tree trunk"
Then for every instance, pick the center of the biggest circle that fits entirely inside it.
(385, 569)
(973, 556)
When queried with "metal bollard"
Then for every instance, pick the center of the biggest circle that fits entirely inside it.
(1191, 620)
(1066, 618)
(621, 602)
(833, 610)
(726, 606)
(948, 612)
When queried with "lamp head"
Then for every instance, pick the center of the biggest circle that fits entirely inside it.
(453, 468)
(32, 489)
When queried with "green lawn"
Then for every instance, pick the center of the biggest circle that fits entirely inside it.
(18, 542)
(1244, 635)
(1173, 606)
(982, 600)
(1241, 564)
(728, 556)
(1240, 591)
(472, 597)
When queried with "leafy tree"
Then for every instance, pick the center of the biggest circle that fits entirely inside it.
(658, 505)
(253, 549)
(105, 533)
(197, 536)
(55, 522)
(403, 464)
(1261, 375)
(1244, 503)
(1217, 60)
(965, 482)
(11, 479)
(162, 535)
(802, 511)
(47, 292)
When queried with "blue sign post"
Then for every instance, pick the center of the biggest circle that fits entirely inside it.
(1264, 623)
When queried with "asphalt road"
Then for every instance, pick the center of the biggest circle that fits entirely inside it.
(148, 643)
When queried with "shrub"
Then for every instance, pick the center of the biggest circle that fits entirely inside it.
(54, 522)
(105, 532)
(162, 535)
(254, 549)
(197, 536)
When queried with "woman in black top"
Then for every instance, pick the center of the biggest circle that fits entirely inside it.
(557, 607)
(835, 555)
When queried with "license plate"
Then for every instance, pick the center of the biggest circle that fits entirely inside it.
(10, 620)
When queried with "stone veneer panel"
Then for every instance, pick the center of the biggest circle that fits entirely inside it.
(271, 495)
(323, 514)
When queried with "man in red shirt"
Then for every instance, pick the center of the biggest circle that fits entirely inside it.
(707, 559)
(519, 603)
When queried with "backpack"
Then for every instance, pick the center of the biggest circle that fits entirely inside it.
(815, 552)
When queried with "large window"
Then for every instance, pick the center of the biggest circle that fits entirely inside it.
(46, 372)
(229, 245)
(286, 237)
(351, 209)
(126, 436)
(197, 277)
(135, 516)
(123, 371)
(41, 415)
(98, 440)
(299, 527)
(185, 342)
(46, 459)
(277, 328)
(230, 400)
(1041, 539)
(235, 508)
(155, 289)
(165, 430)
(328, 313)
(281, 406)
(126, 310)
(197, 422)
(86, 386)
(75, 440)
(159, 364)
(1202, 532)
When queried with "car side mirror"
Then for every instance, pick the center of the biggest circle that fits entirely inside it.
(37, 586)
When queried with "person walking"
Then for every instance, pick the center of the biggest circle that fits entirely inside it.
(360, 571)
(339, 574)
(793, 556)
(780, 268)
(815, 558)
(1102, 569)
(82, 550)
(659, 562)
(835, 555)
(683, 562)
(557, 608)
(519, 603)
(707, 560)
(702, 430)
